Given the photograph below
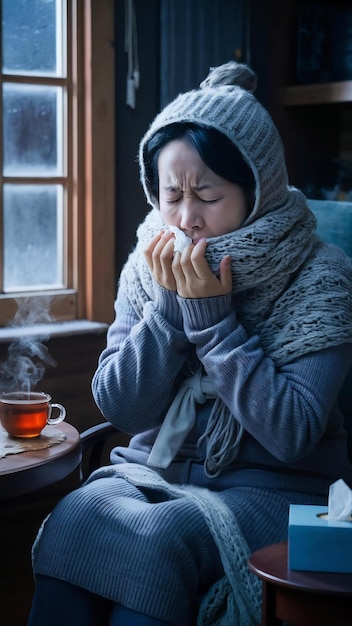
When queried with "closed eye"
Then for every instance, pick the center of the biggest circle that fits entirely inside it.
(172, 201)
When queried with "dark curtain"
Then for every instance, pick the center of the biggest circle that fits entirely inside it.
(197, 35)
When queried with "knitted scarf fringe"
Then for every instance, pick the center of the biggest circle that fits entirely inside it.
(222, 439)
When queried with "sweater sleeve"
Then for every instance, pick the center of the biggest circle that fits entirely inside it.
(134, 381)
(286, 409)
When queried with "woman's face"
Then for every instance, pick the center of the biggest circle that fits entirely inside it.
(193, 197)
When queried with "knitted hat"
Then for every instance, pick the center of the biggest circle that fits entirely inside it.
(225, 101)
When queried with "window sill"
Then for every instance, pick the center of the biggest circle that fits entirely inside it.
(53, 329)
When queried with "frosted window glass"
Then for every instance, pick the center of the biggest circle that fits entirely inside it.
(32, 128)
(32, 36)
(33, 235)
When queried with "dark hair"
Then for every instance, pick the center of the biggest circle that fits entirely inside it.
(215, 149)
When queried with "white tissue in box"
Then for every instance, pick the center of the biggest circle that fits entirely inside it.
(316, 543)
(340, 501)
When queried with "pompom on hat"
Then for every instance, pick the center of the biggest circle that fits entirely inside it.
(225, 101)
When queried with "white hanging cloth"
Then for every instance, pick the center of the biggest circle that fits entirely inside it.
(131, 48)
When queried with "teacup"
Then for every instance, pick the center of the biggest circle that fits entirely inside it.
(25, 414)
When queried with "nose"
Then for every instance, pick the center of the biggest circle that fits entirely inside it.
(191, 216)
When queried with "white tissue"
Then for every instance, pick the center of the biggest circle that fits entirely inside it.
(340, 501)
(181, 240)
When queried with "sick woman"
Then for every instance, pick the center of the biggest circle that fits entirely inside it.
(231, 340)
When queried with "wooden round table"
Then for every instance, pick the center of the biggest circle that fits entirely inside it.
(29, 471)
(300, 598)
(31, 483)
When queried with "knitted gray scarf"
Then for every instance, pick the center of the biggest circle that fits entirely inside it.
(290, 288)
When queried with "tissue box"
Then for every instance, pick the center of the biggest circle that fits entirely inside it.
(317, 544)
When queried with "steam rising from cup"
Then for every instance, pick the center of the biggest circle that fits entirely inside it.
(27, 356)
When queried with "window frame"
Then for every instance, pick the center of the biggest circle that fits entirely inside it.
(90, 248)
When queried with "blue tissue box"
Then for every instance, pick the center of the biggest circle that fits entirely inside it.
(317, 544)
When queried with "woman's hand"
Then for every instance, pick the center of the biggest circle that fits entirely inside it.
(193, 276)
(159, 255)
(188, 273)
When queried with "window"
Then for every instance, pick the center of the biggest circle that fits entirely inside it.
(57, 159)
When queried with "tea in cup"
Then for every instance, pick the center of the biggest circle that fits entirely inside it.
(25, 414)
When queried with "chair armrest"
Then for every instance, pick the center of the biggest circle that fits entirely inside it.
(94, 439)
(96, 434)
